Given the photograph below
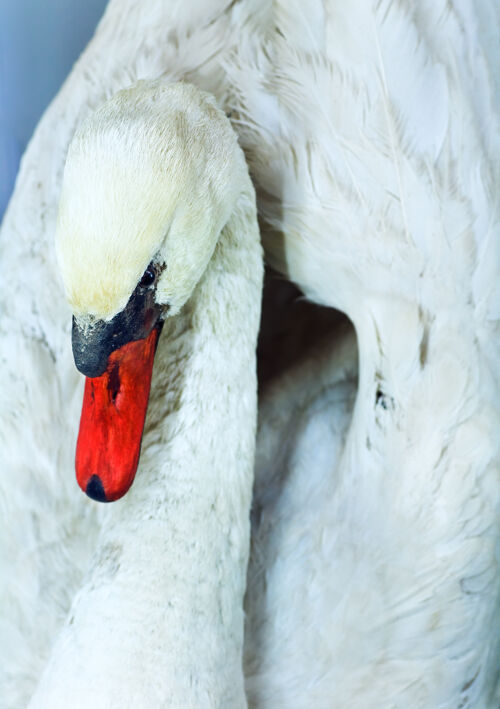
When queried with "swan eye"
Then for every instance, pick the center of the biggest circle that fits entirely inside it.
(148, 278)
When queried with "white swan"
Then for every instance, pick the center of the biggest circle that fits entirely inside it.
(193, 204)
(48, 537)
(413, 580)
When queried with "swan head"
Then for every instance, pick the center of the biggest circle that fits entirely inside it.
(150, 177)
(150, 180)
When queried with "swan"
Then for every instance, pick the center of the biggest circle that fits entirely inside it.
(48, 537)
(175, 176)
(407, 601)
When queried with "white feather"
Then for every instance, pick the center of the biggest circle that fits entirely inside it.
(371, 132)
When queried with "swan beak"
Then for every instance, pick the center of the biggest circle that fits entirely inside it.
(117, 358)
(112, 421)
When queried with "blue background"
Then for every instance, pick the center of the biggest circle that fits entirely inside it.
(39, 42)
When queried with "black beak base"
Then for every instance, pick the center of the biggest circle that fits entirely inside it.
(93, 342)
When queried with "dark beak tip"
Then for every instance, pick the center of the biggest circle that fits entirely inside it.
(95, 489)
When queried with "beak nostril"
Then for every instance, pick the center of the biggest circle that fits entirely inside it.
(114, 381)
(95, 489)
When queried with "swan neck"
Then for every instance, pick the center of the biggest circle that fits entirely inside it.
(169, 572)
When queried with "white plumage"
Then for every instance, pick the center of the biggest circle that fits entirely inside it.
(380, 167)
(371, 132)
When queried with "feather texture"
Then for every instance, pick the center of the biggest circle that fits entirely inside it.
(371, 132)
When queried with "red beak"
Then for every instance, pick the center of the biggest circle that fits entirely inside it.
(112, 421)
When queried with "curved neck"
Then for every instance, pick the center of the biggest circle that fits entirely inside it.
(168, 577)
